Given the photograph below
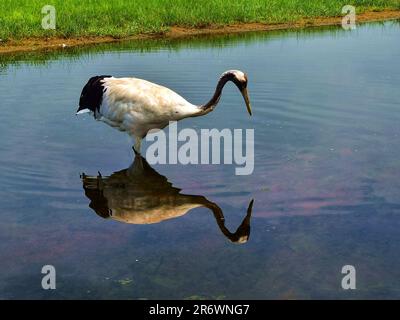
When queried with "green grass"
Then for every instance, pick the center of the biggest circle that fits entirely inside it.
(120, 18)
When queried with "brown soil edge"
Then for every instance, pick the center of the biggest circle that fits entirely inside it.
(181, 32)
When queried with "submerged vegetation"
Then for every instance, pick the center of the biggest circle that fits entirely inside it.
(121, 18)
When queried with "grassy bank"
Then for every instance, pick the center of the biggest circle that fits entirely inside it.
(21, 19)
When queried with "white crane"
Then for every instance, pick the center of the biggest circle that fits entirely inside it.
(137, 106)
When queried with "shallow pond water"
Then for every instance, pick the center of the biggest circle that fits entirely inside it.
(325, 184)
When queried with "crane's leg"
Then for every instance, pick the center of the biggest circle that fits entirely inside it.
(136, 147)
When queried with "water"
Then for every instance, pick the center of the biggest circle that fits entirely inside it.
(325, 182)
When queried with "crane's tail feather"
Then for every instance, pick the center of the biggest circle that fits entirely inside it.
(92, 94)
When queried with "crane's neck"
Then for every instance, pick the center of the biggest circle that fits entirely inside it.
(210, 105)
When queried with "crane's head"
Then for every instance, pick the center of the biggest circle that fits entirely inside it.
(239, 78)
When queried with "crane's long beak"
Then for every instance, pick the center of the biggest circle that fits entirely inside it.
(245, 95)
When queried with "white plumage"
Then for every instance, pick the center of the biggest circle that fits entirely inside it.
(137, 106)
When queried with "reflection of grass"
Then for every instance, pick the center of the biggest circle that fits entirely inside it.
(151, 45)
(120, 18)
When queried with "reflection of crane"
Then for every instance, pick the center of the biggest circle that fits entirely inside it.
(138, 106)
(140, 195)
